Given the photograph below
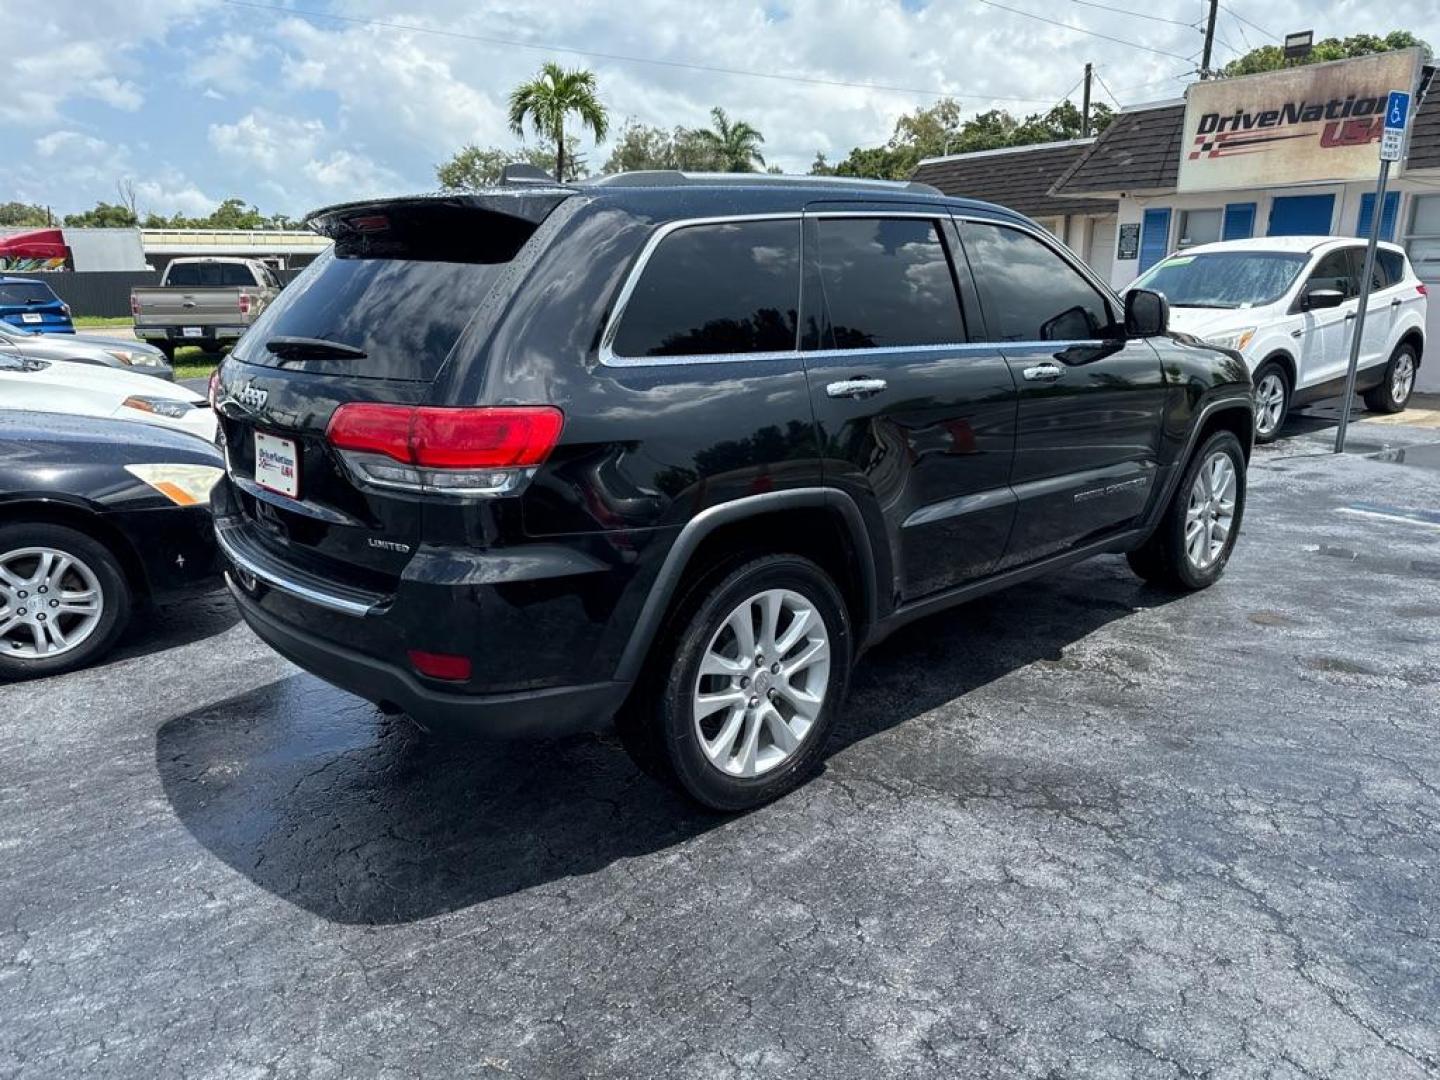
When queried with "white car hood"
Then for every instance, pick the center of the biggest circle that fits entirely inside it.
(1210, 323)
(88, 390)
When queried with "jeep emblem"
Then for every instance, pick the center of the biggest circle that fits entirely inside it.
(252, 396)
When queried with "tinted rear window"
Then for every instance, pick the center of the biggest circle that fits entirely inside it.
(716, 289)
(403, 290)
(209, 275)
(888, 283)
(26, 292)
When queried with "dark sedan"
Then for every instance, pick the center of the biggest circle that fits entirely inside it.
(95, 515)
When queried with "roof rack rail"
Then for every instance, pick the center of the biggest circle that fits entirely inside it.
(676, 178)
(522, 172)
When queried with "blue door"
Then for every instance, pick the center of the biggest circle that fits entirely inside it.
(1154, 238)
(1239, 221)
(1387, 219)
(1301, 215)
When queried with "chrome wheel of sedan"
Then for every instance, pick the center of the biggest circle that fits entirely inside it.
(1210, 514)
(50, 603)
(1269, 403)
(1402, 378)
(762, 683)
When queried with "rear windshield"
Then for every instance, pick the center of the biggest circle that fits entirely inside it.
(209, 275)
(26, 292)
(401, 289)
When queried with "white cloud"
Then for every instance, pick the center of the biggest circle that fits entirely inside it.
(268, 141)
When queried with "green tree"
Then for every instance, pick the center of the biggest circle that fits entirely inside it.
(641, 146)
(549, 98)
(18, 213)
(472, 167)
(1272, 57)
(103, 216)
(730, 146)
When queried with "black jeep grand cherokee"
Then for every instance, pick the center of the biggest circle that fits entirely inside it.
(499, 456)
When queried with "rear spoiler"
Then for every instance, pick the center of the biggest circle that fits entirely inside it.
(422, 226)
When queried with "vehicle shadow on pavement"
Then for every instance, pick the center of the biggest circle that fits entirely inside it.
(363, 819)
(173, 623)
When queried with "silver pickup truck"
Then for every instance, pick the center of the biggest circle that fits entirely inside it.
(203, 301)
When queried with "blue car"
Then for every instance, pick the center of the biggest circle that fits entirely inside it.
(32, 305)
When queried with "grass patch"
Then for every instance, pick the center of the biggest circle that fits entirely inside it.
(100, 322)
(192, 362)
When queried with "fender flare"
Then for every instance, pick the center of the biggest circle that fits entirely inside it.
(1243, 402)
(672, 570)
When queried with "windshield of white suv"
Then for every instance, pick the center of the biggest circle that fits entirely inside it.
(1224, 279)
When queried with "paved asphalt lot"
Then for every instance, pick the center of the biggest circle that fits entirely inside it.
(1080, 829)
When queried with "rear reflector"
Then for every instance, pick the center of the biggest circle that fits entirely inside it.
(443, 438)
(441, 665)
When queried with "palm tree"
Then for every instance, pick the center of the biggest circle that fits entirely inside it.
(548, 98)
(735, 147)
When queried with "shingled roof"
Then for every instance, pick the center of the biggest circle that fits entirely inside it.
(1018, 177)
(1424, 151)
(1139, 151)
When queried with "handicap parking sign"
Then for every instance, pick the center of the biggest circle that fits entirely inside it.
(1397, 109)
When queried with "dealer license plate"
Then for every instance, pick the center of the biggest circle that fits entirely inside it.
(192, 331)
(277, 464)
(31, 316)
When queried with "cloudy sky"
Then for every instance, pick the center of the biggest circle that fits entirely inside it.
(293, 103)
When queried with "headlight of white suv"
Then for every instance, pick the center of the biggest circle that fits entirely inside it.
(136, 358)
(184, 485)
(174, 408)
(1237, 340)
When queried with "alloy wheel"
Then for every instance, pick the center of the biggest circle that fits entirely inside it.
(1210, 514)
(50, 603)
(1402, 378)
(1269, 403)
(762, 683)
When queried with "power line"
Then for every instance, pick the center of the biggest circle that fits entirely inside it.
(1081, 30)
(1134, 14)
(1106, 87)
(1250, 24)
(510, 43)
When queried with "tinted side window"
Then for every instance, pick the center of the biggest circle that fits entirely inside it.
(1029, 292)
(1392, 265)
(716, 289)
(1333, 272)
(887, 283)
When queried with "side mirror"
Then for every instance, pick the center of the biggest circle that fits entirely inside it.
(1321, 298)
(1147, 314)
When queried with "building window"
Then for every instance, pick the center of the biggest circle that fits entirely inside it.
(1198, 227)
(1239, 221)
(1422, 241)
(1387, 219)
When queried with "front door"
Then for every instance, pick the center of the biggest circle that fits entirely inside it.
(1325, 332)
(1091, 400)
(916, 420)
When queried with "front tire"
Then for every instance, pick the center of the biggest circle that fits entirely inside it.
(63, 600)
(1272, 400)
(757, 673)
(1194, 540)
(1393, 393)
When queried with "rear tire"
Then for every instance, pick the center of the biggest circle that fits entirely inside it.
(1187, 550)
(1397, 384)
(1272, 400)
(741, 716)
(72, 636)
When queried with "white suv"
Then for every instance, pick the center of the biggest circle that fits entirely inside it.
(1288, 305)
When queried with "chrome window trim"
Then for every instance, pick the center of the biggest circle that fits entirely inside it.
(610, 358)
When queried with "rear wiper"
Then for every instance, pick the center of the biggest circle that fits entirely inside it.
(296, 348)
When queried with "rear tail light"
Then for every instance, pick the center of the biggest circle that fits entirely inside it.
(440, 665)
(66, 309)
(134, 307)
(244, 304)
(459, 451)
(214, 389)
(1422, 290)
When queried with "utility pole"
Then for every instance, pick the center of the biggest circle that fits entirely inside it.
(1209, 39)
(1085, 108)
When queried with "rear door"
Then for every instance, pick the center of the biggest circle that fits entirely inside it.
(395, 296)
(1092, 402)
(1383, 309)
(917, 420)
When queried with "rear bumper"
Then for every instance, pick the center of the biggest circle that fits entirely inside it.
(549, 711)
(176, 333)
